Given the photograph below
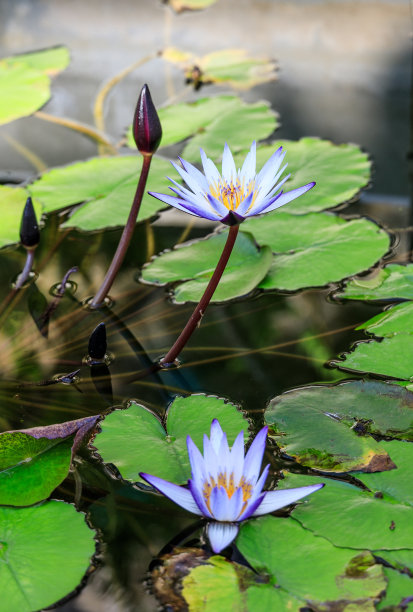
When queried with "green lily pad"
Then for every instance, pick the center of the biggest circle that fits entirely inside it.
(162, 450)
(228, 66)
(394, 282)
(395, 320)
(25, 81)
(12, 203)
(399, 586)
(316, 249)
(340, 171)
(33, 462)
(306, 566)
(197, 261)
(189, 5)
(391, 356)
(45, 551)
(329, 427)
(352, 518)
(105, 185)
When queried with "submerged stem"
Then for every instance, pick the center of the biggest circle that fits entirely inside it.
(25, 273)
(199, 311)
(126, 236)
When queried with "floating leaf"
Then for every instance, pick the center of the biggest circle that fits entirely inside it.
(327, 427)
(391, 356)
(306, 566)
(352, 518)
(12, 203)
(316, 249)
(159, 452)
(180, 121)
(238, 126)
(45, 551)
(25, 82)
(340, 171)
(394, 282)
(33, 462)
(197, 261)
(106, 185)
(395, 320)
(228, 66)
(189, 5)
(399, 586)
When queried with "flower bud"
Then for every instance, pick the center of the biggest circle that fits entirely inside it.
(147, 130)
(97, 342)
(29, 229)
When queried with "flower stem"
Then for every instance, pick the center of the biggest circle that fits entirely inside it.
(126, 236)
(199, 311)
(24, 275)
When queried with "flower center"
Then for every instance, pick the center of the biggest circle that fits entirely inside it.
(233, 193)
(227, 482)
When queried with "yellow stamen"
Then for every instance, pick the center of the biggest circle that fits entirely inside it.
(232, 194)
(228, 483)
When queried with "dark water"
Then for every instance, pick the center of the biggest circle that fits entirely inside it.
(247, 351)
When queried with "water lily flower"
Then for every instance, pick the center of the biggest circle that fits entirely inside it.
(233, 195)
(226, 487)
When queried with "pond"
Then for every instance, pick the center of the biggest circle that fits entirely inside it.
(308, 333)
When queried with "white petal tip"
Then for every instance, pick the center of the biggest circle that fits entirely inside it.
(220, 535)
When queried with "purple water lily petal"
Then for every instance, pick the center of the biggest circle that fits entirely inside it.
(274, 500)
(229, 171)
(220, 535)
(289, 196)
(186, 206)
(177, 494)
(253, 458)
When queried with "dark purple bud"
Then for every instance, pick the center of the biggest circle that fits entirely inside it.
(147, 130)
(29, 230)
(232, 218)
(97, 342)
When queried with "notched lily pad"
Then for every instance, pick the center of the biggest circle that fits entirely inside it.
(162, 451)
(33, 462)
(316, 249)
(393, 282)
(329, 428)
(340, 171)
(194, 262)
(45, 551)
(395, 320)
(319, 573)
(228, 66)
(25, 81)
(105, 186)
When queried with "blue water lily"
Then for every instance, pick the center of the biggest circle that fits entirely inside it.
(234, 195)
(226, 487)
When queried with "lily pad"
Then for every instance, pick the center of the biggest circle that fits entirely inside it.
(316, 249)
(33, 462)
(189, 5)
(395, 320)
(162, 451)
(205, 116)
(352, 518)
(340, 171)
(45, 551)
(197, 261)
(391, 356)
(25, 81)
(399, 586)
(106, 186)
(228, 66)
(12, 203)
(306, 566)
(329, 428)
(394, 282)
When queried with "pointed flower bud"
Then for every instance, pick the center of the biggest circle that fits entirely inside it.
(147, 130)
(97, 342)
(29, 229)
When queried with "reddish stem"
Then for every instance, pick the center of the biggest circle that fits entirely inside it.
(199, 311)
(126, 236)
